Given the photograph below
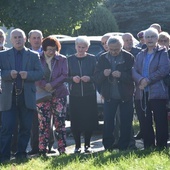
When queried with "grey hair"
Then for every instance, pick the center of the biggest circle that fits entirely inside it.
(18, 30)
(35, 31)
(151, 30)
(164, 34)
(3, 33)
(115, 39)
(127, 33)
(82, 39)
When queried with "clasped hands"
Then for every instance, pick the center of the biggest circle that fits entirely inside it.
(143, 83)
(77, 79)
(115, 74)
(14, 74)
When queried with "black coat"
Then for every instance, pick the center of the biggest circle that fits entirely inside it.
(125, 82)
(86, 68)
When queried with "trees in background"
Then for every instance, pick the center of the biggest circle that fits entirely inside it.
(136, 15)
(74, 17)
(100, 22)
(50, 16)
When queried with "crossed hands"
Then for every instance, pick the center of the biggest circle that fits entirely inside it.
(14, 74)
(77, 79)
(115, 74)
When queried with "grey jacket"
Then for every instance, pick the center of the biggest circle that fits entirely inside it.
(159, 67)
(32, 65)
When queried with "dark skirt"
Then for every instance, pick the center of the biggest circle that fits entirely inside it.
(83, 113)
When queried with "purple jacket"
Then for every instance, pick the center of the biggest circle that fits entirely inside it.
(59, 75)
(159, 67)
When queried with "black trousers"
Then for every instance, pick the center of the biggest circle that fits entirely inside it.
(35, 133)
(155, 112)
(77, 137)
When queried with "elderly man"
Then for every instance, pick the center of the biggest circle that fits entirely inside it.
(20, 68)
(157, 27)
(128, 44)
(113, 74)
(141, 39)
(35, 39)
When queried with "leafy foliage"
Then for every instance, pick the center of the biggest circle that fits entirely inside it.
(100, 22)
(136, 15)
(50, 16)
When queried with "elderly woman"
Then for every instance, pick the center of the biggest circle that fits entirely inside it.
(150, 67)
(164, 40)
(55, 75)
(83, 105)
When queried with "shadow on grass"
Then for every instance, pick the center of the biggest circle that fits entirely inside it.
(99, 158)
(102, 157)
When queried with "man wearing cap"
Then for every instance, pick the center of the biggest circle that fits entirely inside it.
(141, 40)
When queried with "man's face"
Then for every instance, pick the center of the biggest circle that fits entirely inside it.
(128, 42)
(104, 43)
(114, 49)
(35, 40)
(2, 40)
(18, 40)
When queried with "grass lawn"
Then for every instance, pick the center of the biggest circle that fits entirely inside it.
(125, 160)
(104, 160)
(136, 160)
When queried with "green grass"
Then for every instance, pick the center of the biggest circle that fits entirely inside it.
(139, 160)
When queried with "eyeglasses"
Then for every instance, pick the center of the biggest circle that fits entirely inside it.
(163, 41)
(152, 36)
(51, 50)
(103, 43)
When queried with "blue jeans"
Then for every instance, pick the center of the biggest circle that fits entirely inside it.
(126, 117)
(9, 122)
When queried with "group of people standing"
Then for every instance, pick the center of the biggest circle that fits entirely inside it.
(123, 75)
(22, 70)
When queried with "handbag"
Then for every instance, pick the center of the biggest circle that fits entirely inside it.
(42, 95)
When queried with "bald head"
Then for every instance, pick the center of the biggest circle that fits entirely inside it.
(128, 41)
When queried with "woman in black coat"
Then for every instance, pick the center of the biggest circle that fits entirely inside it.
(83, 104)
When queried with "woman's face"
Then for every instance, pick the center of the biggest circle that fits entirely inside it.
(163, 41)
(151, 40)
(50, 51)
(81, 49)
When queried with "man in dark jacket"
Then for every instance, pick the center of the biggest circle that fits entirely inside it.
(114, 74)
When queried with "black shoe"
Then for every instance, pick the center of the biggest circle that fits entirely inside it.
(33, 152)
(113, 147)
(88, 149)
(51, 151)
(138, 136)
(43, 153)
(132, 148)
(77, 150)
(20, 155)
